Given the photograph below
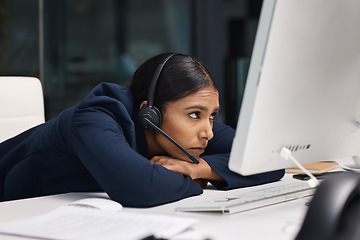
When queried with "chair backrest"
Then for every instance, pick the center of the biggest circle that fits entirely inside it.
(21, 105)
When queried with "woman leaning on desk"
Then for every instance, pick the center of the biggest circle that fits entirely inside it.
(99, 145)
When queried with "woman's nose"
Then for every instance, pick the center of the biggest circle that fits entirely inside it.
(207, 130)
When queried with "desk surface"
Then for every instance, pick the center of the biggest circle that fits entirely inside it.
(280, 221)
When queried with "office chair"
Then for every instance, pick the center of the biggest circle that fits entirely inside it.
(334, 211)
(21, 105)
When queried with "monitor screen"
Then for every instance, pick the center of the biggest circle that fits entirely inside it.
(303, 86)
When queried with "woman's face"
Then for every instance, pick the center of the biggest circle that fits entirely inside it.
(189, 121)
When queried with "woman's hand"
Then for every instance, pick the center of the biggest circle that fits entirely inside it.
(197, 172)
(176, 165)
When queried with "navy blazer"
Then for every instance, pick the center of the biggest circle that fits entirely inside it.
(97, 146)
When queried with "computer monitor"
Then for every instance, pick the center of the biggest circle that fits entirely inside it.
(303, 86)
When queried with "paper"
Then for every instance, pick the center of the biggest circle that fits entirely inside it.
(68, 222)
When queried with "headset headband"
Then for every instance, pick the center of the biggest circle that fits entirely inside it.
(155, 79)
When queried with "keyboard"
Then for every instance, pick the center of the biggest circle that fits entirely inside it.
(278, 192)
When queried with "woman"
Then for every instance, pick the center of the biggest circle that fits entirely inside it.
(98, 145)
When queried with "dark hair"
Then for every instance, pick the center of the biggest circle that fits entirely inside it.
(181, 76)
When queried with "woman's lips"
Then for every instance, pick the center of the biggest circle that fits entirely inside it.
(197, 151)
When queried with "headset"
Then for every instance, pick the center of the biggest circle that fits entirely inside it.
(150, 117)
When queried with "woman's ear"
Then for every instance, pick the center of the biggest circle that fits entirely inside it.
(144, 103)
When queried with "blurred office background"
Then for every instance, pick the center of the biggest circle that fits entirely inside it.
(72, 45)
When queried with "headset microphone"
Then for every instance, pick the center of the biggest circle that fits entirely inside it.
(150, 117)
(156, 128)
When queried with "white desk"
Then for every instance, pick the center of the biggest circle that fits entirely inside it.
(280, 221)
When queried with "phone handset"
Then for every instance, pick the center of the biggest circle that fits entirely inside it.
(334, 211)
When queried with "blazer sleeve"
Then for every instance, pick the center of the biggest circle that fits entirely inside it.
(100, 141)
(217, 156)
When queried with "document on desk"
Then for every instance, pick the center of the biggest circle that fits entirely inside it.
(69, 222)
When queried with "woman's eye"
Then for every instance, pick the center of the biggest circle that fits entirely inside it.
(194, 115)
(213, 116)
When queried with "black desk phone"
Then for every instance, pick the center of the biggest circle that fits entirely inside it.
(334, 211)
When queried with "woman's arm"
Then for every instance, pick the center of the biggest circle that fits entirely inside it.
(104, 140)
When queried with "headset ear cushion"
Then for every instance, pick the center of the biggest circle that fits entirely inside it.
(151, 113)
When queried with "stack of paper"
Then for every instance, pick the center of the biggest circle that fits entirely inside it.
(68, 222)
